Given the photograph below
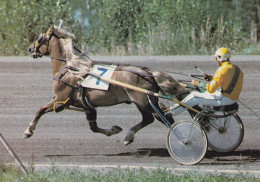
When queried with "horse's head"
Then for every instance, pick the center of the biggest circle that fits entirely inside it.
(40, 47)
(43, 44)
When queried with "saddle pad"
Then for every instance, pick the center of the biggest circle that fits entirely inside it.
(101, 70)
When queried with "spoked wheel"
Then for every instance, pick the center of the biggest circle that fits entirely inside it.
(187, 142)
(225, 134)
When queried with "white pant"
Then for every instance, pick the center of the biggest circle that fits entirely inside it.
(202, 99)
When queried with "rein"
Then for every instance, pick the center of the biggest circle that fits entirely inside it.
(59, 59)
(120, 64)
(110, 63)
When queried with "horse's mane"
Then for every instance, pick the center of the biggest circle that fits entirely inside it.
(67, 44)
(73, 55)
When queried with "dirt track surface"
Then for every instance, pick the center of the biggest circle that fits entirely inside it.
(65, 138)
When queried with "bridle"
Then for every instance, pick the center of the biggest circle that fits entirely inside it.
(37, 45)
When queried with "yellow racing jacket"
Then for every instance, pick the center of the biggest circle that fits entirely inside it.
(230, 78)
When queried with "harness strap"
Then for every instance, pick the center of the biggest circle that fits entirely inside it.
(84, 99)
(88, 103)
(61, 73)
(233, 82)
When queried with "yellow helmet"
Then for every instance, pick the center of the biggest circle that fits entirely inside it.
(222, 54)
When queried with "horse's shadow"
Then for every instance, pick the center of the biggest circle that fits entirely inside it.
(234, 157)
(157, 152)
(211, 157)
(217, 157)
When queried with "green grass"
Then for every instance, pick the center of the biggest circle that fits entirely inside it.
(10, 173)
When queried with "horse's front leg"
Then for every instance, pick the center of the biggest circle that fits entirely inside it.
(32, 125)
(92, 117)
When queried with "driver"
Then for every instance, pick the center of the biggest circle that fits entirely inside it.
(224, 88)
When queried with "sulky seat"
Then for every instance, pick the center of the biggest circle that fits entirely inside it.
(227, 108)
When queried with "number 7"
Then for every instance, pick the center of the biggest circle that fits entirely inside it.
(103, 71)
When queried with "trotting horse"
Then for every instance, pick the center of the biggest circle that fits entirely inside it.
(58, 44)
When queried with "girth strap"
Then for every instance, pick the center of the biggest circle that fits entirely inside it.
(84, 99)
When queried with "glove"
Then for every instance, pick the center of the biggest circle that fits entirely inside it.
(208, 77)
(195, 83)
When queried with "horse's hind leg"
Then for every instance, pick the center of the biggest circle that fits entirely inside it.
(32, 125)
(147, 119)
(92, 117)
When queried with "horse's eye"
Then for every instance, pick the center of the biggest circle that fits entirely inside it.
(40, 38)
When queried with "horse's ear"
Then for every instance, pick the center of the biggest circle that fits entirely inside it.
(51, 30)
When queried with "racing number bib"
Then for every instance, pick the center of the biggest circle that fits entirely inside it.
(101, 70)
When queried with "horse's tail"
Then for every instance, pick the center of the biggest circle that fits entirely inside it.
(167, 84)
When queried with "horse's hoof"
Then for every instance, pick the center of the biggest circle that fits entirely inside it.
(27, 134)
(116, 129)
(129, 138)
(128, 142)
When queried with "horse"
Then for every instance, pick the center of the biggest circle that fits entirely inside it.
(58, 44)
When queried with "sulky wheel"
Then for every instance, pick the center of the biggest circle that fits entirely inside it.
(225, 134)
(187, 142)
